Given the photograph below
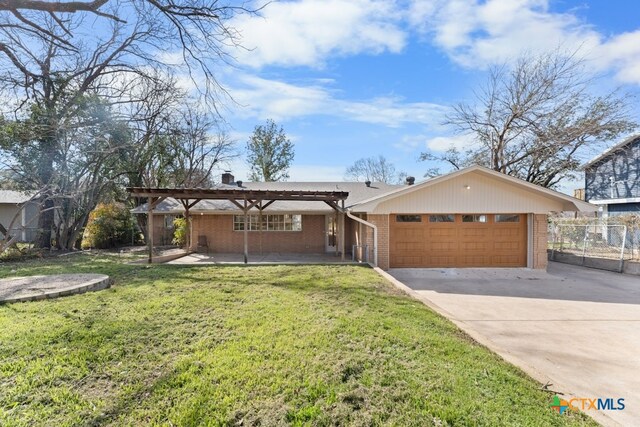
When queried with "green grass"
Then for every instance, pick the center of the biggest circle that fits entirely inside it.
(297, 345)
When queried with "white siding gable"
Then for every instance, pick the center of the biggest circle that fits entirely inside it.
(487, 194)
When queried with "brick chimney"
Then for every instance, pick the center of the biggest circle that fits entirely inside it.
(227, 178)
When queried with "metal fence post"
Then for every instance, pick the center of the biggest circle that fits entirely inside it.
(624, 243)
(584, 243)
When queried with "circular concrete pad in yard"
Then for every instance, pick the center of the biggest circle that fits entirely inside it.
(32, 288)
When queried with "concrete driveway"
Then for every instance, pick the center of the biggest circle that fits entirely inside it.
(575, 327)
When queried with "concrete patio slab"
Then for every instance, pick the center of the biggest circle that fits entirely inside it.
(19, 289)
(579, 328)
(260, 259)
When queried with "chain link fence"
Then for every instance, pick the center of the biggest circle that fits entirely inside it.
(597, 244)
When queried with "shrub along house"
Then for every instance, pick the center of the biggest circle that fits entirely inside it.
(474, 217)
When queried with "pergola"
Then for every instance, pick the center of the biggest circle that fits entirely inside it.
(244, 199)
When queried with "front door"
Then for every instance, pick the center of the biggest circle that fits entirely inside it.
(331, 233)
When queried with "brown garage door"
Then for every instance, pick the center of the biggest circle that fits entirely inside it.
(458, 240)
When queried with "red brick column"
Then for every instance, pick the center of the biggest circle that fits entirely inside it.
(539, 241)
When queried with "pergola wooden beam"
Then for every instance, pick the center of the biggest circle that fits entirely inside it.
(266, 205)
(238, 194)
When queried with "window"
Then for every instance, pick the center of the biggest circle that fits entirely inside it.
(507, 218)
(474, 218)
(442, 218)
(408, 218)
(286, 222)
(168, 221)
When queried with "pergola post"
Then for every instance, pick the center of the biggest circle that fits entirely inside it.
(246, 233)
(335, 232)
(150, 228)
(260, 225)
(187, 219)
(342, 233)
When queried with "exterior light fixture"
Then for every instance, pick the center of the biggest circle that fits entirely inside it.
(467, 187)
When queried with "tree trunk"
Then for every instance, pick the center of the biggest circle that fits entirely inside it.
(46, 222)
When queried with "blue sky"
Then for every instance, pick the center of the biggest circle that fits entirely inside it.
(354, 78)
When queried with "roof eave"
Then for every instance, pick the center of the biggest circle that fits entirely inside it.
(610, 151)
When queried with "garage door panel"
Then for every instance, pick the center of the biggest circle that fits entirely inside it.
(507, 246)
(441, 260)
(474, 232)
(445, 231)
(410, 246)
(443, 246)
(412, 234)
(474, 246)
(458, 244)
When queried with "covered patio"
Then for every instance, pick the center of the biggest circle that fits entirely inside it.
(245, 200)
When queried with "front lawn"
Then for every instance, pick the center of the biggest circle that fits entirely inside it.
(301, 345)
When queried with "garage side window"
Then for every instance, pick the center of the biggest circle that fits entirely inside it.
(442, 218)
(408, 218)
(507, 218)
(474, 218)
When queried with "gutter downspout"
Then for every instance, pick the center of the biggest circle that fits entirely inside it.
(375, 235)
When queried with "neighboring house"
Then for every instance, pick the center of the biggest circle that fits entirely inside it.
(612, 180)
(473, 217)
(15, 207)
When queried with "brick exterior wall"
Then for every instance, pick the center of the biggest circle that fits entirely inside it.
(382, 223)
(540, 241)
(222, 239)
(161, 236)
(357, 235)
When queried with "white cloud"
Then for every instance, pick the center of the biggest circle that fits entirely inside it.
(306, 32)
(622, 52)
(443, 143)
(477, 34)
(264, 98)
(473, 33)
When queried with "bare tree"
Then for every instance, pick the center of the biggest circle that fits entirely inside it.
(198, 146)
(51, 60)
(374, 169)
(197, 30)
(537, 120)
(169, 143)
